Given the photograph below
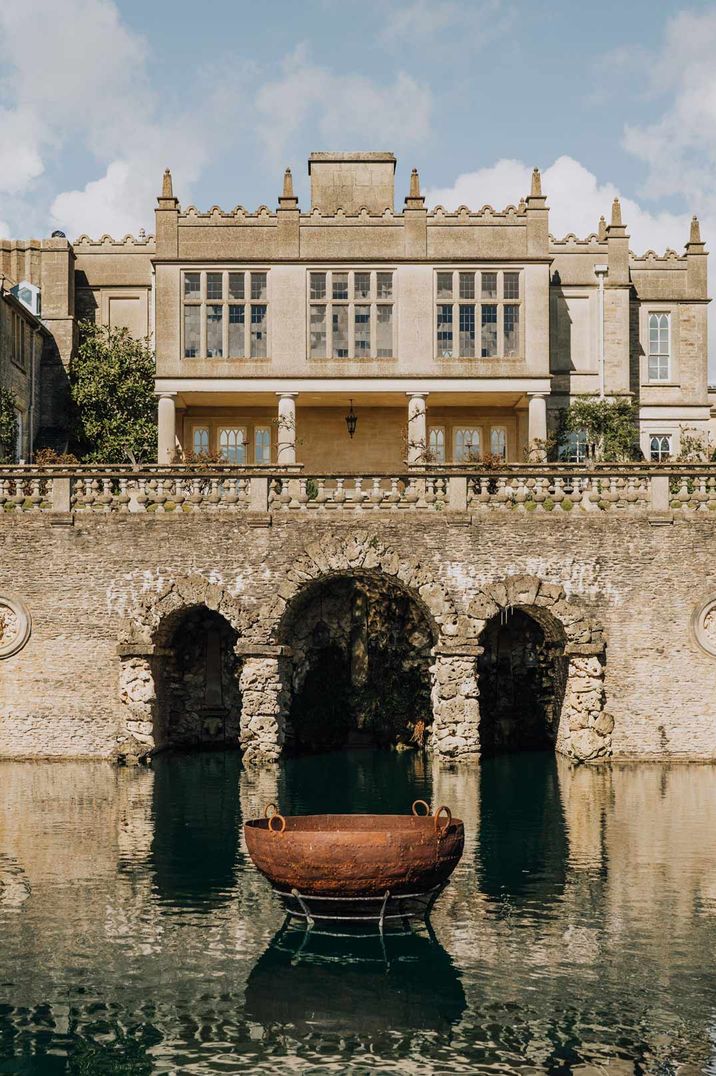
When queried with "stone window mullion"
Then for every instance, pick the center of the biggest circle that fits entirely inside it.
(225, 313)
(351, 316)
(374, 315)
(202, 319)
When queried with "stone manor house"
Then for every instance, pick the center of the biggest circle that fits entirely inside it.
(367, 570)
(442, 336)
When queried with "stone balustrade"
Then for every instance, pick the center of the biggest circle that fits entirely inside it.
(662, 489)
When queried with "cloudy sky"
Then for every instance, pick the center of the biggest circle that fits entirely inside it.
(97, 97)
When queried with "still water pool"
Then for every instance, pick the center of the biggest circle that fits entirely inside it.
(578, 933)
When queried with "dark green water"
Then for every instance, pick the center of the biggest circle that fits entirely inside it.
(578, 934)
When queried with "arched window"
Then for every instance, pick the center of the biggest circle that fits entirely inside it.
(659, 447)
(200, 440)
(659, 347)
(232, 444)
(262, 444)
(436, 444)
(498, 442)
(468, 445)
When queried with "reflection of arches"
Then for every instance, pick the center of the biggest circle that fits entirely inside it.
(582, 729)
(523, 847)
(197, 824)
(361, 652)
(355, 781)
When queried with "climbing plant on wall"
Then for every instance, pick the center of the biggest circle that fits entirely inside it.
(8, 425)
(609, 427)
(112, 388)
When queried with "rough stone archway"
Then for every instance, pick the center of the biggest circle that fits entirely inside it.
(584, 729)
(144, 638)
(452, 675)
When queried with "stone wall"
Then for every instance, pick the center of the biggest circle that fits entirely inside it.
(101, 593)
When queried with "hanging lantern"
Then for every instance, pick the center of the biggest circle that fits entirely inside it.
(351, 421)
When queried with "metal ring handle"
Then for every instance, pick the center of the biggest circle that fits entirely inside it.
(421, 814)
(442, 830)
(270, 807)
(274, 818)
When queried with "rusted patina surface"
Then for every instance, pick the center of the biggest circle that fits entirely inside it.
(355, 855)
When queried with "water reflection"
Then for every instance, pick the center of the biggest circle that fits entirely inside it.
(197, 824)
(349, 782)
(523, 843)
(313, 983)
(135, 935)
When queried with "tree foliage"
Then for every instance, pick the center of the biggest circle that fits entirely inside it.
(8, 425)
(609, 426)
(112, 387)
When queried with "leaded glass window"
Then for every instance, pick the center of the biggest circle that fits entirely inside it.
(659, 347)
(225, 314)
(350, 314)
(472, 298)
(659, 447)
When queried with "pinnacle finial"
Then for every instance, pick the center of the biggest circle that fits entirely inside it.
(414, 184)
(616, 221)
(287, 184)
(167, 188)
(695, 231)
(536, 188)
(602, 230)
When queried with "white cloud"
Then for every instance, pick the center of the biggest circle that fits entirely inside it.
(576, 199)
(421, 22)
(19, 151)
(348, 110)
(74, 77)
(679, 148)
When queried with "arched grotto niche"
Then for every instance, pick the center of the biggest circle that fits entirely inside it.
(197, 675)
(361, 655)
(522, 676)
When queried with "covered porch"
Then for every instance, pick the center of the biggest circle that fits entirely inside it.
(350, 426)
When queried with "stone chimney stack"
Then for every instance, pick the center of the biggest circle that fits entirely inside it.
(351, 182)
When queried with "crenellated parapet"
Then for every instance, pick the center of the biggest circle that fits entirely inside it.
(106, 242)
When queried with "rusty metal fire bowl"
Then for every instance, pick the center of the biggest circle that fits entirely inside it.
(358, 866)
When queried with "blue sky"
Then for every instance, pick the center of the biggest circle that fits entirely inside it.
(98, 96)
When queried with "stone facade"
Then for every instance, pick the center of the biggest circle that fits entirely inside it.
(454, 334)
(615, 597)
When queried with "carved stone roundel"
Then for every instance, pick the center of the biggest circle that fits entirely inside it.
(15, 625)
(704, 624)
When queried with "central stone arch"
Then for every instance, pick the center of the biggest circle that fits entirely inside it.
(453, 689)
(582, 728)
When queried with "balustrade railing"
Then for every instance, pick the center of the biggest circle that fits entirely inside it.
(630, 488)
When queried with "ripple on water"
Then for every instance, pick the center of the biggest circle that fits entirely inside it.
(576, 935)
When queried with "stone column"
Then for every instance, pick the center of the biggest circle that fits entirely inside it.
(137, 694)
(286, 427)
(454, 695)
(167, 427)
(417, 426)
(264, 701)
(537, 418)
